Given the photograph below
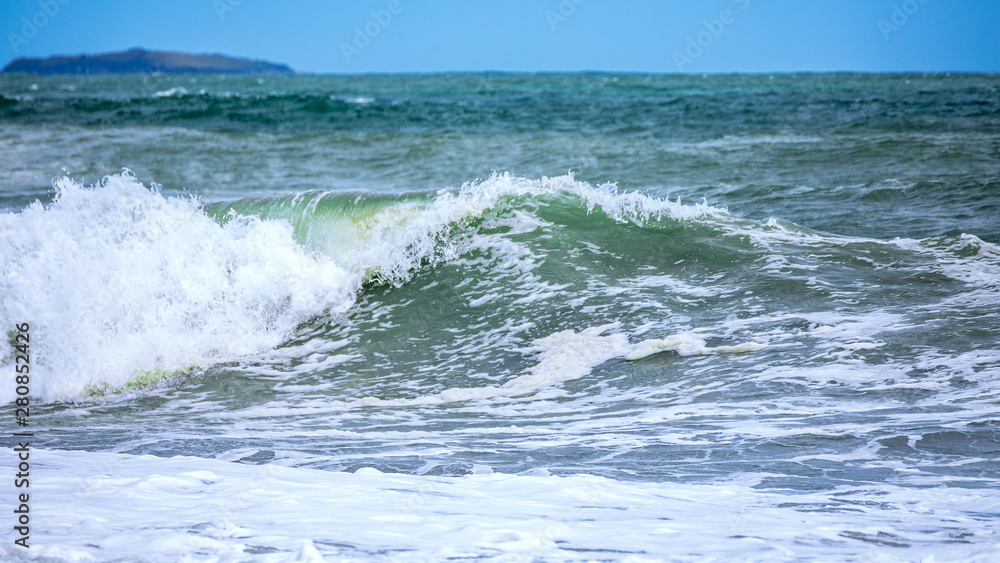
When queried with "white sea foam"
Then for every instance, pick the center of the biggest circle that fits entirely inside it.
(968, 258)
(88, 506)
(567, 355)
(687, 345)
(563, 356)
(175, 92)
(117, 279)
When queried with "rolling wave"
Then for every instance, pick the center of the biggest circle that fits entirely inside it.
(125, 287)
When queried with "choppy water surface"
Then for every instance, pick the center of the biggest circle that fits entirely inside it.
(511, 317)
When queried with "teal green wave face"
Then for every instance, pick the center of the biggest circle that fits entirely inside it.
(338, 225)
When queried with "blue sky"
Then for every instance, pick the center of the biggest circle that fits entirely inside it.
(527, 35)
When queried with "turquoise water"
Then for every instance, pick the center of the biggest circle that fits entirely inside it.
(567, 317)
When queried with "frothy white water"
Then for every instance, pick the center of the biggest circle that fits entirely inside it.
(567, 355)
(391, 240)
(175, 92)
(116, 279)
(86, 505)
(563, 356)
(687, 345)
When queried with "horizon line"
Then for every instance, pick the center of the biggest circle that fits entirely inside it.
(513, 72)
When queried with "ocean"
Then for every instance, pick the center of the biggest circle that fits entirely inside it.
(502, 317)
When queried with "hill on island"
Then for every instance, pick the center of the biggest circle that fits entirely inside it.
(140, 60)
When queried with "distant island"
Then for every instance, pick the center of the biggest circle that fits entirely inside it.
(140, 60)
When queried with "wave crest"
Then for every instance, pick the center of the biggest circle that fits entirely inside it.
(118, 281)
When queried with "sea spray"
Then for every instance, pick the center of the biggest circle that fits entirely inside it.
(119, 280)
